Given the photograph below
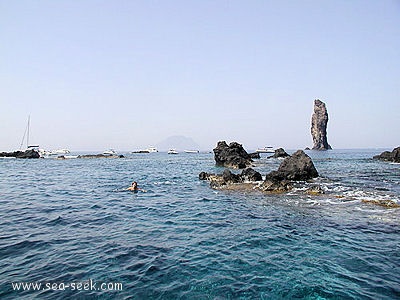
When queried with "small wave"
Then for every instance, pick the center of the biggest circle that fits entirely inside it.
(205, 199)
(95, 206)
(167, 182)
(57, 221)
(21, 247)
(381, 189)
(120, 190)
(340, 201)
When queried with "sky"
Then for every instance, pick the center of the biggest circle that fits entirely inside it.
(95, 75)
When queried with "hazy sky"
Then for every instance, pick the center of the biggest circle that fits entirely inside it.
(127, 74)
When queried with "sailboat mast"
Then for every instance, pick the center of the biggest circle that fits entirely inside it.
(27, 137)
(26, 131)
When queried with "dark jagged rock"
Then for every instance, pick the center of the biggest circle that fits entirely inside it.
(28, 154)
(319, 123)
(227, 177)
(31, 153)
(393, 156)
(205, 175)
(279, 153)
(255, 155)
(250, 174)
(299, 166)
(232, 156)
(230, 177)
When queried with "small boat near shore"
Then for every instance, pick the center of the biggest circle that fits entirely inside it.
(172, 151)
(46, 153)
(268, 149)
(110, 152)
(61, 151)
(191, 151)
(151, 149)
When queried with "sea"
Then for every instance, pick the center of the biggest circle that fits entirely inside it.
(69, 229)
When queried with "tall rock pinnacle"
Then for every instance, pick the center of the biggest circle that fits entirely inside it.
(319, 122)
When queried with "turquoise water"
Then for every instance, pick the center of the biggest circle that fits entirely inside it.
(70, 221)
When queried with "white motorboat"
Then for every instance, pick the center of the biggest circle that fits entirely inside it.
(110, 152)
(268, 149)
(172, 151)
(56, 152)
(140, 151)
(191, 151)
(152, 149)
(61, 151)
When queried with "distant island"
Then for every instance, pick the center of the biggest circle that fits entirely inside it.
(178, 142)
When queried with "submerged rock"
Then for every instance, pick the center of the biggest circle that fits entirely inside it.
(393, 156)
(279, 153)
(228, 178)
(383, 203)
(315, 190)
(233, 156)
(319, 123)
(276, 185)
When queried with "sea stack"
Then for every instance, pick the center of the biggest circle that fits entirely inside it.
(319, 123)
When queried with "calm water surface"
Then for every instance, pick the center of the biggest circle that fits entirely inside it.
(64, 221)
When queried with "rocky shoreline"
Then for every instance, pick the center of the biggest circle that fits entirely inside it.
(27, 154)
(297, 167)
(295, 173)
(393, 156)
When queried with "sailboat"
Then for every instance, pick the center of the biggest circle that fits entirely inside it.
(31, 151)
(26, 133)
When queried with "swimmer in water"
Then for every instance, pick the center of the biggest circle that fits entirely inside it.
(134, 188)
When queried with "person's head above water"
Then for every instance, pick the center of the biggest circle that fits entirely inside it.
(134, 187)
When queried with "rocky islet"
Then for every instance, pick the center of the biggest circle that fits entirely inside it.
(319, 124)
